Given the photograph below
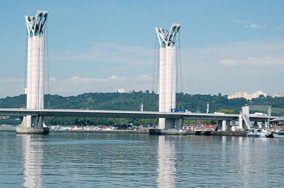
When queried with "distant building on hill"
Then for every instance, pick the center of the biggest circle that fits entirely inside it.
(246, 95)
(277, 95)
(120, 91)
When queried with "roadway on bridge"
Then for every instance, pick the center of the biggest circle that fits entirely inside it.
(122, 114)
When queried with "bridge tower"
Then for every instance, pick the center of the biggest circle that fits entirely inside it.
(35, 73)
(167, 74)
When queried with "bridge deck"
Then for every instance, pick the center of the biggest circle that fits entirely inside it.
(122, 114)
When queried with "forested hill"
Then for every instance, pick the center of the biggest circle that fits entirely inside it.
(133, 100)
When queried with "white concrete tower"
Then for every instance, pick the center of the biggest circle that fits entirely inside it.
(161, 33)
(35, 67)
(167, 74)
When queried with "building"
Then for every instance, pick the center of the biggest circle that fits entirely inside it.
(277, 95)
(247, 96)
(120, 90)
(277, 123)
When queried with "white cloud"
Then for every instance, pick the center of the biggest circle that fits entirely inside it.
(265, 53)
(145, 77)
(211, 69)
(259, 59)
(201, 68)
(77, 85)
(228, 62)
(238, 21)
(254, 26)
(108, 53)
(248, 24)
(11, 87)
(251, 61)
(235, 66)
(52, 79)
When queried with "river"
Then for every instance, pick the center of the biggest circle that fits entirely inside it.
(139, 160)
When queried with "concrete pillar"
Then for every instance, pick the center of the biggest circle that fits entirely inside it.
(245, 110)
(268, 124)
(228, 128)
(162, 123)
(169, 123)
(240, 121)
(179, 123)
(35, 74)
(173, 123)
(264, 125)
(219, 125)
(224, 125)
(255, 125)
(170, 78)
(233, 125)
(162, 86)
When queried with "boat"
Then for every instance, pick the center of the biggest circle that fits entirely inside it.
(279, 134)
(260, 133)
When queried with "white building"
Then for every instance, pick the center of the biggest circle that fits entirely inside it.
(277, 95)
(120, 91)
(247, 96)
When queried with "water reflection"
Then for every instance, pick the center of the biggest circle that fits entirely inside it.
(166, 160)
(32, 160)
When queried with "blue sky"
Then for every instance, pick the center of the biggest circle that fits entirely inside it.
(98, 46)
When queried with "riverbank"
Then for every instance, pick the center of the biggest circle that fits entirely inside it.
(206, 133)
(157, 132)
(99, 131)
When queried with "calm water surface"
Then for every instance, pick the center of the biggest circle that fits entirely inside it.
(129, 160)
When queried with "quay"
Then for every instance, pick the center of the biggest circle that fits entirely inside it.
(156, 132)
(206, 133)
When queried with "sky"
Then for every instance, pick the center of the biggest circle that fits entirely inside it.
(225, 46)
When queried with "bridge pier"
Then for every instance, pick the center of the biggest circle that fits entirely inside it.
(241, 122)
(167, 75)
(35, 74)
(32, 125)
(225, 125)
(173, 123)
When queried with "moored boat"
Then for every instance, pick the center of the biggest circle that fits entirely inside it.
(259, 133)
(279, 134)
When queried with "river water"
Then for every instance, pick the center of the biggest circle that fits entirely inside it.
(133, 160)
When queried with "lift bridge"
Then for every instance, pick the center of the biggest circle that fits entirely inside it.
(33, 115)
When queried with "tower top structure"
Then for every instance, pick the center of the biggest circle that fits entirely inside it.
(168, 38)
(36, 24)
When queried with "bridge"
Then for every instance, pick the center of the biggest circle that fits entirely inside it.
(33, 115)
(118, 114)
(126, 114)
